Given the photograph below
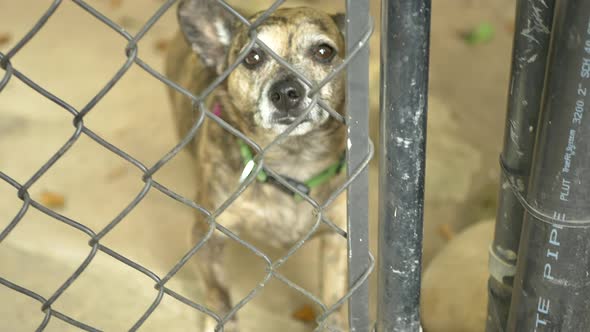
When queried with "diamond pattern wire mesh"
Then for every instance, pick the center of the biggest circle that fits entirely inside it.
(94, 242)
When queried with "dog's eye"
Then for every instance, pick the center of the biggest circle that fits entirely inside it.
(253, 59)
(324, 53)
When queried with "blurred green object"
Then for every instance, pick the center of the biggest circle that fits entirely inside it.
(483, 33)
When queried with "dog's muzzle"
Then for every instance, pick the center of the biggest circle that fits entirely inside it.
(287, 96)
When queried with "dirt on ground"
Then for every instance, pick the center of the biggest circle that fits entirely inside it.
(75, 55)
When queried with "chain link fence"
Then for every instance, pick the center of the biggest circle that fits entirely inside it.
(359, 153)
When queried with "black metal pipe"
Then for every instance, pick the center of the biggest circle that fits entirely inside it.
(405, 34)
(552, 283)
(529, 59)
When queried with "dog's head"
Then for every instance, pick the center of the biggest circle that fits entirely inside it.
(265, 92)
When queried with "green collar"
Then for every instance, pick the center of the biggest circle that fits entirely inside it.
(305, 187)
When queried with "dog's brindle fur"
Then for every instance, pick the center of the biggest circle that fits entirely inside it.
(197, 55)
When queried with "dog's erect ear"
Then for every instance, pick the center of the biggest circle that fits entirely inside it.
(207, 28)
(340, 20)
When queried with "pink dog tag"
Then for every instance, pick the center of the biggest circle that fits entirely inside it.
(217, 109)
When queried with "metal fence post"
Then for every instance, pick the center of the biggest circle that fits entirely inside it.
(405, 34)
(551, 287)
(357, 105)
(529, 59)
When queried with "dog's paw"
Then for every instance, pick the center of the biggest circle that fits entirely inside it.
(210, 325)
(334, 324)
(231, 326)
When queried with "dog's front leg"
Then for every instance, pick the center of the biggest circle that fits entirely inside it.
(334, 278)
(210, 260)
(334, 267)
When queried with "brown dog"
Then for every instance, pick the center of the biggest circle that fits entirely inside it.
(261, 99)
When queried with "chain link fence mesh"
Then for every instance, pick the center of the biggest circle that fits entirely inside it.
(94, 238)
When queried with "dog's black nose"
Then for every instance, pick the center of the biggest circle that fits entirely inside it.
(286, 94)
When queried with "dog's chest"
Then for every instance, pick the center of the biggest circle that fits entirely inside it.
(264, 211)
(268, 214)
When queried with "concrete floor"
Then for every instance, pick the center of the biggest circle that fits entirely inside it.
(74, 55)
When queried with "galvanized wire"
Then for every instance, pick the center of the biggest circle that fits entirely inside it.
(79, 129)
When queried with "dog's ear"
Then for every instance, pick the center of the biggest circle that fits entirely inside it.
(340, 20)
(207, 28)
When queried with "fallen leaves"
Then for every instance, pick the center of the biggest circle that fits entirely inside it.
(305, 314)
(161, 45)
(116, 173)
(52, 200)
(481, 34)
(5, 38)
(446, 231)
(116, 4)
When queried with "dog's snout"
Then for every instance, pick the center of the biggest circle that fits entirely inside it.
(286, 94)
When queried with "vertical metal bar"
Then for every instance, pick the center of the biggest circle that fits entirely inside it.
(529, 59)
(405, 33)
(357, 105)
(552, 285)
